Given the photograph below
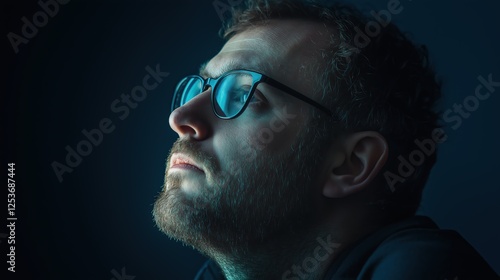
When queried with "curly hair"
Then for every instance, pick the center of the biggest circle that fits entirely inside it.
(385, 85)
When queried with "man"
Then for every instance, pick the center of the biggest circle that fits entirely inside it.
(286, 166)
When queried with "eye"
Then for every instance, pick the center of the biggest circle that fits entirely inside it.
(244, 94)
(240, 94)
(258, 103)
(258, 97)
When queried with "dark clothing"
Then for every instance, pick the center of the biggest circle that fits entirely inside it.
(412, 249)
(209, 271)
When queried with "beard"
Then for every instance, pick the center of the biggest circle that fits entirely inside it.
(247, 204)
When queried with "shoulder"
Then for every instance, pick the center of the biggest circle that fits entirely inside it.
(426, 253)
(209, 271)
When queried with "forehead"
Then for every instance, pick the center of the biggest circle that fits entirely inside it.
(278, 48)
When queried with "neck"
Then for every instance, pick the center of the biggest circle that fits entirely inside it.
(306, 255)
(303, 256)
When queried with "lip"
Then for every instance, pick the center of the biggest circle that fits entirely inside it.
(181, 161)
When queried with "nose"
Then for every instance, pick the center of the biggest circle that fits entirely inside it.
(193, 119)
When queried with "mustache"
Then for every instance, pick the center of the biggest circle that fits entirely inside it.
(193, 150)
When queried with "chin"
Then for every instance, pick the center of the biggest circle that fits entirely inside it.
(173, 210)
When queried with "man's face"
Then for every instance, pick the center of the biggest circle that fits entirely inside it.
(255, 174)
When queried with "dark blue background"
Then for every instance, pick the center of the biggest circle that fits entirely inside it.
(99, 218)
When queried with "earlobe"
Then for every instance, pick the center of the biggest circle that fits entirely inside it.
(364, 154)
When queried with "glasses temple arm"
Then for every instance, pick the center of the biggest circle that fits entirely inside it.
(296, 94)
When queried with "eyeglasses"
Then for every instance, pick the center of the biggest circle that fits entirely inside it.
(232, 92)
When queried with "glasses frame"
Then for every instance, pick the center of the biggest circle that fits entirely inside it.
(257, 79)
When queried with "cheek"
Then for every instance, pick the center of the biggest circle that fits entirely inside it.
(276, 135)
(232, 144)
(246, 140)
(279, 131)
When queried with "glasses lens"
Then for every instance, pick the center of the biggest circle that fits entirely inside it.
(232, 93)
(186, 90)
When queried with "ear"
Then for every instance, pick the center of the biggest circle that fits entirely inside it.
(355, 163)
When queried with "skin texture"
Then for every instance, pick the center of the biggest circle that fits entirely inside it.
(259, 206)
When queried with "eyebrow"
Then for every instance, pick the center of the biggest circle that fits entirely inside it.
(232, 65)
